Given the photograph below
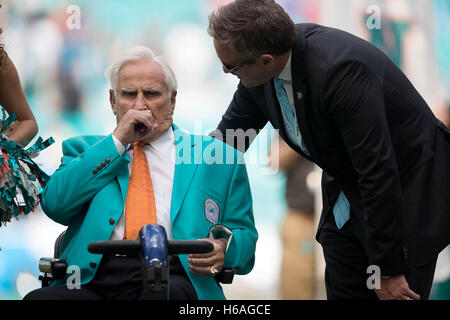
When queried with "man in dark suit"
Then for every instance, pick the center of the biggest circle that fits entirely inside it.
(340, 102)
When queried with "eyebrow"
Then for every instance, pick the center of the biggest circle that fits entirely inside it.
(129, 90)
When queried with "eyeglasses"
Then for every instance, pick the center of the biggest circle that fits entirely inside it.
(232, 70)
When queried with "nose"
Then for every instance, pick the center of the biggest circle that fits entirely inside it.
(225, 70)
(140, 103)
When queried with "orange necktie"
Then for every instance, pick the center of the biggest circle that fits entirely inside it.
(140, 207)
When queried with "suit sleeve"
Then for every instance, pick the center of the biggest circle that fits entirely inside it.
(239, 218)
(355, 102)
(78, 179)
(242, 121)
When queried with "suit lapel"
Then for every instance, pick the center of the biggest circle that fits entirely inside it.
(188, 156)
(123, 179)
(300, 94)
(300, 91)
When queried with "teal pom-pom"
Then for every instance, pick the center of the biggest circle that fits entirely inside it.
(21, 179)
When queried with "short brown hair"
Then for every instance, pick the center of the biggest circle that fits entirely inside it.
(254, 27)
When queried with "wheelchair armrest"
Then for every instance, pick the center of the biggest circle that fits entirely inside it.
(55, 267)
(225, 276)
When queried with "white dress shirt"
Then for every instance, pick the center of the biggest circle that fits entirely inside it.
(161, 159)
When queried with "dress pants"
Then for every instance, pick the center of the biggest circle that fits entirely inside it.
(119, 278)
(347, 262)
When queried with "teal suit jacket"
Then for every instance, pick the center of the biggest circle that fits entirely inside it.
(89, 198)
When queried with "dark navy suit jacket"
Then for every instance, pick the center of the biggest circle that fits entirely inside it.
(373, 135)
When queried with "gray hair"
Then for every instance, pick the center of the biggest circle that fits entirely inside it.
(135, 54)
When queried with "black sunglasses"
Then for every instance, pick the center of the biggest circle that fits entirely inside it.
(232, 70)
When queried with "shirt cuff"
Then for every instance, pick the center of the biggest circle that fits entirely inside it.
(119, 146)
(219, 231)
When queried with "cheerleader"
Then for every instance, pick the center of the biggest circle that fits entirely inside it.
(21, 180)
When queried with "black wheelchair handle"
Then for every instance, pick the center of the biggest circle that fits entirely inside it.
(124, 247)
(189, 246)
(132, 247)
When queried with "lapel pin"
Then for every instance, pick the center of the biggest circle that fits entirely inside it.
(299, 95)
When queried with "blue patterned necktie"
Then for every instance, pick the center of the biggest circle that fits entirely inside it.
(290, 122)
(341, 209)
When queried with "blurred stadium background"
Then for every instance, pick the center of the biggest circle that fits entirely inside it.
(61, 62)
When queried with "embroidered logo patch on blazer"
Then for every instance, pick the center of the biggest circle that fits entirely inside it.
(211, 211)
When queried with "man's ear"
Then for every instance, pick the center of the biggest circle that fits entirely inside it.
(266, 59)
(112, 100)
(173, 98)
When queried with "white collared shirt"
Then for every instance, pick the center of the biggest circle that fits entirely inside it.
(161, 160)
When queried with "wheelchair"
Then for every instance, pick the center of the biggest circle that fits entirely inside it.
(152, 247)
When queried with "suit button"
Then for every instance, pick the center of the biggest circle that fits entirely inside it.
(93, 264)
(99, 168)
(103, 164)
(405, 255)
(112, 221)
(94, 171)
(108, 160)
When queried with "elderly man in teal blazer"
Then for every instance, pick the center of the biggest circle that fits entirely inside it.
(199, 183)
